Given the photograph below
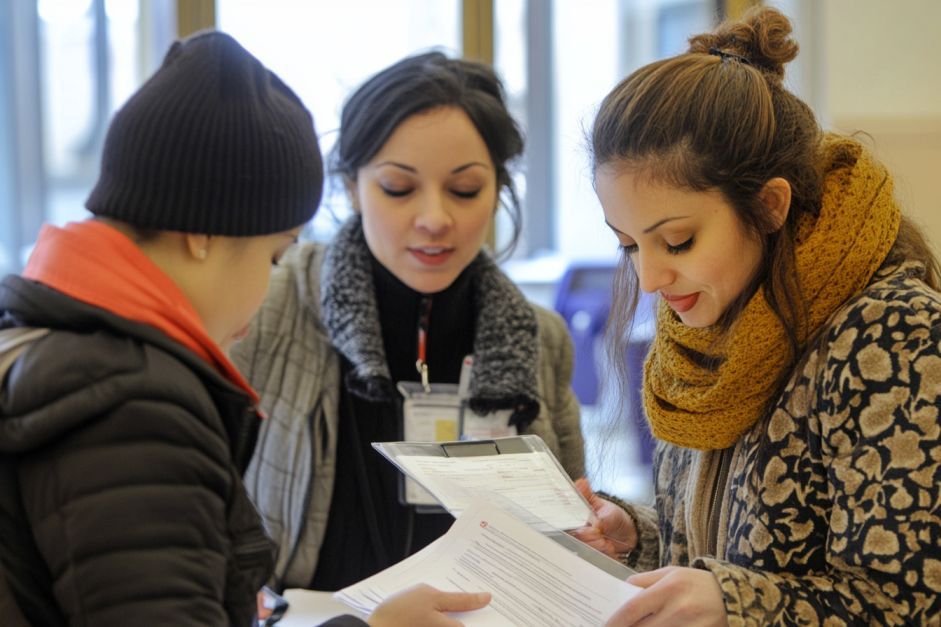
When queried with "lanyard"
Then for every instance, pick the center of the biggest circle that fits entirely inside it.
(424, 317)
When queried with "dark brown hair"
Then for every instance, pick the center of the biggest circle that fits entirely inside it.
(719, 118)
(418, 84)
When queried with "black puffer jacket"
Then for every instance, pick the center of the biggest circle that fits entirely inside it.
(121, 454)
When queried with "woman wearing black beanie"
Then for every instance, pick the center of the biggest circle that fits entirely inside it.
(125, 429)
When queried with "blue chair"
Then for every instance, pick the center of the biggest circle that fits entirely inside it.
(583, 299)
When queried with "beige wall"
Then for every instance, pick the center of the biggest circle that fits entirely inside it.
(880, 72)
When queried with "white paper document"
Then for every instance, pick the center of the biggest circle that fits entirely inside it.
(532, 482)
(532, 579)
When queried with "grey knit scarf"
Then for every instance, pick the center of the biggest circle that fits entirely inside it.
(505, 346)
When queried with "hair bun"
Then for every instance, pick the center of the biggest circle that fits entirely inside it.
(761, 36)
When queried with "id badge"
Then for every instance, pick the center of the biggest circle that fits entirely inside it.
(493, 425)
(432, 416)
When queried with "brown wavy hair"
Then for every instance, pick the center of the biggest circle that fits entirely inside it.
(718, 117)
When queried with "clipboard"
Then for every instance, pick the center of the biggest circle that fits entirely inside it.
(439, 413)
(458, 498)
(520, 470)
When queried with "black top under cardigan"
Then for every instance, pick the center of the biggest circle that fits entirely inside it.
(349, 552)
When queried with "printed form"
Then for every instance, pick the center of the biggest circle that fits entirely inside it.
(531, 483)
(533, 580)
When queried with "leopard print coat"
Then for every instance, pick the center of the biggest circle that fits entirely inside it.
(829, 510)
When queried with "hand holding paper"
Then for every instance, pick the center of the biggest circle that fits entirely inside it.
(423, 605)
(613, 533)
(533, 580)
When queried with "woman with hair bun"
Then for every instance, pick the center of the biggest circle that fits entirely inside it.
(794, 382)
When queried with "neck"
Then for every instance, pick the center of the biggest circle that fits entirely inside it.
(450, 331)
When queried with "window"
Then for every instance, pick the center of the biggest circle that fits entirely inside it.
(71, 64)
(556, 81)
(325, 51)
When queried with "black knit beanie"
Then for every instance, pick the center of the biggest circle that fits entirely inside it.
(213, 143)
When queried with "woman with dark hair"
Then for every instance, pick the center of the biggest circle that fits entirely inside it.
(794, 381)
(424, 152)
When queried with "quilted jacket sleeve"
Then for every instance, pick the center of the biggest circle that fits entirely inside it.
(876, 409)
(129, 512)
(555, 368)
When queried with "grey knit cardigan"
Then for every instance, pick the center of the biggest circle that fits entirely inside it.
(288, 357)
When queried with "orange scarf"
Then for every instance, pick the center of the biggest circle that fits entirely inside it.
(98, 265)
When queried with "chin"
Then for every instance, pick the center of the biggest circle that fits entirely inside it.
(429, 284)
(698, 320)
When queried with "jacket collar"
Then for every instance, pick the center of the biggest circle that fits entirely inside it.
(505, 346)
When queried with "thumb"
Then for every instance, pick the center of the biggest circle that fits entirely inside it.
(461, 601)
(647, 579)
(584, 488)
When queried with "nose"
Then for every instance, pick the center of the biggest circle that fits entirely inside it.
(433, 217)
(653, 272)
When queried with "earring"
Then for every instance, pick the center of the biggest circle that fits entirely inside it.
(201, 254)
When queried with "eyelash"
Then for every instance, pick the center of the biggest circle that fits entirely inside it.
(401, 193)
(675, 250)
(630, 249)
(466, 195)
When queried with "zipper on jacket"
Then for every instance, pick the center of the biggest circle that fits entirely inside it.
(722, 476)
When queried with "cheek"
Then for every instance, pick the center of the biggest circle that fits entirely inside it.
(381, 220)
(739, 268)
(261, 288)
(254, 285)
(478, 220)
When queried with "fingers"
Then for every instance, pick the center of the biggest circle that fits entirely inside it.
(674, 596)
(641, 606)
(263, 610)
(584, 487)
(647, 579)
(461, 601)
(593, 538)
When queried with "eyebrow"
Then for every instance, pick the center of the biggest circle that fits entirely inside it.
(652, 227)
(409, 168)
(655, 226)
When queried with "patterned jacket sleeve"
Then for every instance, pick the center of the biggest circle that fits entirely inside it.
(876, 403)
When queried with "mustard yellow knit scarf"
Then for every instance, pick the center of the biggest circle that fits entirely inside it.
(836, 253)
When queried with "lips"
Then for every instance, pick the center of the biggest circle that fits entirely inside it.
(431, 255)
(681, 304)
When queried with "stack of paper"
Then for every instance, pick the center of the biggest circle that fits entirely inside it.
(533, 579)
(519, 473)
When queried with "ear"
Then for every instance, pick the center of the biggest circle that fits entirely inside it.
(197, 245)
(776, 197)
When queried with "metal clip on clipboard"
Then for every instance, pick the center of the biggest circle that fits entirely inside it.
(499, 446)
